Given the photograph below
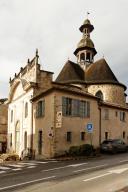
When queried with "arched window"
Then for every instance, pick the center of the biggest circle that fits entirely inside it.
(99, 94)
(82, 57)
(26, 110)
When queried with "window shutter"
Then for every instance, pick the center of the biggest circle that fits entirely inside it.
(37, 110)
(64, 106)
(88, 109)
(43, 107)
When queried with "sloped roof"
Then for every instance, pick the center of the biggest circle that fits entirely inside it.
(100, 72)
(66, 88)
(71, 72)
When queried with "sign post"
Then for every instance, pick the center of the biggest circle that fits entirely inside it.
(89, 129)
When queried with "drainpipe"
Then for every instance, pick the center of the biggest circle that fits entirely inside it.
(99, 122)
(32, 129)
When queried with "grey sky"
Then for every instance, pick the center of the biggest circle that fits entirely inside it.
(52, 26)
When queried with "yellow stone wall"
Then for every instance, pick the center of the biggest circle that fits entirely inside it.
(58, 144)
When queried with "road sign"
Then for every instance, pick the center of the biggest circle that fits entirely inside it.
(89, 127)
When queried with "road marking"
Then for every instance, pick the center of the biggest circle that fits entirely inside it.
(123, 161)
(30, 167)
(41, 162)
(54, 168)
(77, 165)
(4, 168)
(31, 164)
(118, 171)
(92, 178)
(18, 169)
(15, 165)
(90, 168)
(2, 172)
(28, 182)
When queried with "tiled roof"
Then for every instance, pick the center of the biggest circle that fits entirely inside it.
(100, 72)
(71, 72)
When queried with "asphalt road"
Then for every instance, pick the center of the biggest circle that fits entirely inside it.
(105, 174)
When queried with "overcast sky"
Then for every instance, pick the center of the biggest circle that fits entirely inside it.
(52, 26)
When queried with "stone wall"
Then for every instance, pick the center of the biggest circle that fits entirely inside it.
(57, 144)
(111, 93)
(113, 124)
(3, 125)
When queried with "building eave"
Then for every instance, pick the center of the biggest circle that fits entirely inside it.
(114, 106)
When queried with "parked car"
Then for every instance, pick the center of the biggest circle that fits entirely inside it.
(113, 146)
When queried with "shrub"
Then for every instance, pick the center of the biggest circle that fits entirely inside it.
(74, 151)
(85, 149)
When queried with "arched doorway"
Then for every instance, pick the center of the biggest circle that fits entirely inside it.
(17, 137)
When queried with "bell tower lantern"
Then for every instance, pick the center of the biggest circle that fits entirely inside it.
(85, 50)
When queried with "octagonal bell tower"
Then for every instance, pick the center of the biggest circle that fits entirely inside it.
(85, 50)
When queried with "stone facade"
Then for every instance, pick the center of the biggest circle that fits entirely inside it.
(111, 93)
(112, 125)
(3, 124)
(26, 84)
(57, 144)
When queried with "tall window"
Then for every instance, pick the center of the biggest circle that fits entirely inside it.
(69, 136)
(40, 109)
(10, 139)
(123, 134)
(82, 136)
(26, 110)
(40, 140)
(116, 113)
(75, 108)
(122, 116)
(99, 94)
(11, 115)
(106, 135)
(106, 114)
(25, 140)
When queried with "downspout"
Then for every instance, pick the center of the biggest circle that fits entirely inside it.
(32, 130)
(99, 107)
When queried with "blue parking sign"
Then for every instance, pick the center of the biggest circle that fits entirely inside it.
(89, 127)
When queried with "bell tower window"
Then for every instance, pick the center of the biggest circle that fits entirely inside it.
(88, 57)
(82, 57)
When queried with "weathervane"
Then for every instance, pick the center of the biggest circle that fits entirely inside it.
(87, 14)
